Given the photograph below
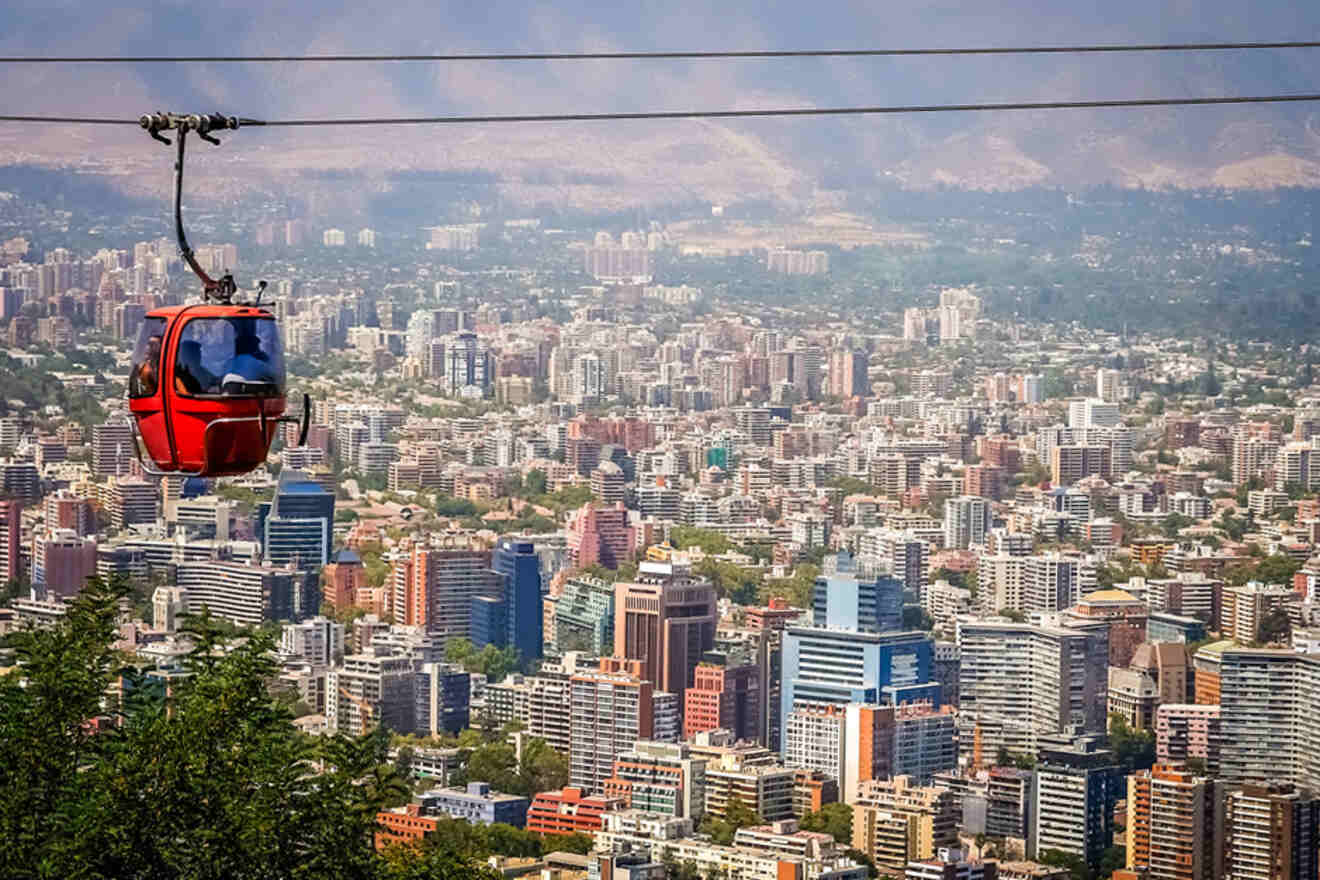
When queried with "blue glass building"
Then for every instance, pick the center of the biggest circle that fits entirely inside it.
(520, 573)
(845, 600)
(834, 666)
(298, 525)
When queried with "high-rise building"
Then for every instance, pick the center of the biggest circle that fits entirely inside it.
(1072, 462)
(518, 566)
(725, 694)
(367, 691)
(666, 620)
(600, 535)
(112, 449)
(248, 594)
(297, 528)
(1018, 682)
(1075, 792)
(434, 589)
(584, 616)
(858, 743)
(848, 374)
(966, 521)
(845, 600)
(11, 531)
(1186, 731)
(1268, 716)
(318, 641)
(1271, 831)
(61, 562)
(441, 698)
(610, 712)
(1173, 824)
(837, 667)
(133, 501)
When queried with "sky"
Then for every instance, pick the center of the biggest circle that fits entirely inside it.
(417, 26)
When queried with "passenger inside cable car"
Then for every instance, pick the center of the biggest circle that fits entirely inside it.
(145, 377)
(229, 357)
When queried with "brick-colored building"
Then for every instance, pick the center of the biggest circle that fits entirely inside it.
(404, 825)
(569, 811)
(723, 697)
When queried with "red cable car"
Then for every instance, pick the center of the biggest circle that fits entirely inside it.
(207, 383)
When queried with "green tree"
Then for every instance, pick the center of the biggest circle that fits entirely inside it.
(1133, 749)
(832, 819)
(207, 779)
(535, 483)
(1075, 864)
(1274, 627)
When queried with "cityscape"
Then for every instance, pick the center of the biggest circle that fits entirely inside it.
(925, 532)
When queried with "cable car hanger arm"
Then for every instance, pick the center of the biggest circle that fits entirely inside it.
(221, 290)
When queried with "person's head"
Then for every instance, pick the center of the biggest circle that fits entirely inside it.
(153, 346)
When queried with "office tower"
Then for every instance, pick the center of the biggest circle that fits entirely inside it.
(517, 565)
(11, 531)
(666, 619)
(966, 521)
(611, 711)
(1075, 792)
(1174, 819)
(660, 778)
(248, 594)
(846, 600)
(1268, 716)
(584, 616)
(168, 605)
(344, 576)
(896, 822)
(839, 667)
(318, 641)
(61, 562)
(297, 528)
(599, 536)
(725, 694)
(112, 449)
(367, 691)
(1185, 731)
(848, 374)
(582, 454)
(441, 699)
(1018, 682)
(434, 589)
(1271, 831)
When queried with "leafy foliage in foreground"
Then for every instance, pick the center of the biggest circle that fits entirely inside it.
(205, 779)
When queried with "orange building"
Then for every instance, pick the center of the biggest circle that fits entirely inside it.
(1171, 824)
(569, 811)
(723, 697)
(343, 577)
(405, 825)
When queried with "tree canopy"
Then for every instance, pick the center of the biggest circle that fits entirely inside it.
(207, 778)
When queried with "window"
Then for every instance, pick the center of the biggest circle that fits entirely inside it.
(144, 379)
(236, 357)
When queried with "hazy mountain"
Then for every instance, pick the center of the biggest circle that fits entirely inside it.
(1228, 146)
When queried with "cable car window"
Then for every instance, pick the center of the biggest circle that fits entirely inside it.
(144, 380)
(233, 357)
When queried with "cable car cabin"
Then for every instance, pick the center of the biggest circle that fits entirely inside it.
(207, 388)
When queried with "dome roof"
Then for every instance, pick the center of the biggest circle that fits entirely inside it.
(1110, 596)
